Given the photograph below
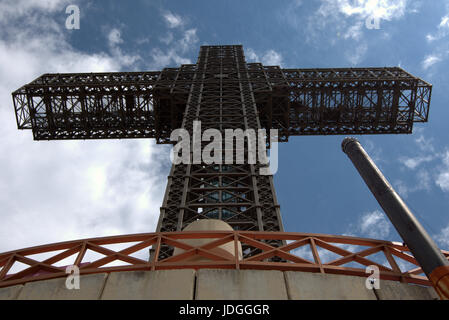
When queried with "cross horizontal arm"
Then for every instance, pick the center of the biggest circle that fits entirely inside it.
(88, 105)
(339, 101)
(151, 104)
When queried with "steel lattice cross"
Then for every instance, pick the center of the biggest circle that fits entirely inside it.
(223, 92)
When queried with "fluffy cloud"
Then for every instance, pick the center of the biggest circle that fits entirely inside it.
(356, 56)
(442, 179)
(348, 21)
(355, 32)
(430, 60)
(180, 42)
(424, 144)
(442, 238)
(271, 58)
(431, 167)
(173, 20)
(360, 12)
(114, 37)
(12, 9)
(444, 22)
(439, 175)
(163, 59)
(382, 9)
(374, 225)
(188, 40)
(423, 183)
(442, 30)
(413, 163)
(63, 190)
(438, 39)
(268, 58)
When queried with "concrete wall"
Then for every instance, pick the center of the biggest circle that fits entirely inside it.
(91, 287)
(314, 286)
(222, 284)
(150, 285)
(210, 284)
(393, 290)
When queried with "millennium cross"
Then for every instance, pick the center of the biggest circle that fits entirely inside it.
(223, 92)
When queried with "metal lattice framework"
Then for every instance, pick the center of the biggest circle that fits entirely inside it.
(304, 252)
(151, 104)
(223, 92)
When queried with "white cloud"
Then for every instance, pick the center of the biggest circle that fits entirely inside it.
(402, 188)
(114, 37)
(363, 9)
(444, 22)
(188, 40)
(442, 179)
(436, 173)
(251, 55)
(268, 58)
(12, 9)
(442, 30)
(430, 37)
(346, 20)
(424, 179)
(422, 183)
(181, 42)
(63, 190)
(167, 39)
(443, 238)
(429, 61)
(424, 144)
(438, 39)
(272, 58)
(354, 32)
(335, 13)
(163, 59)
(374, 225)
(173, 20)
(356, 56)
(413, 163)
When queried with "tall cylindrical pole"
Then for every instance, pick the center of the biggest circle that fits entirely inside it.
(426, 252)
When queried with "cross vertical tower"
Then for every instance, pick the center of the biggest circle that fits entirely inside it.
(221, 97)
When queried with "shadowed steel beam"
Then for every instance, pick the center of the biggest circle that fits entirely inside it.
(411, 231)
(125, 105)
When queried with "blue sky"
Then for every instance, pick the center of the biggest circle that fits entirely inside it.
(63, 190)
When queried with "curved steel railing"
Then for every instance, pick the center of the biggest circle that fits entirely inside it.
(302, 252)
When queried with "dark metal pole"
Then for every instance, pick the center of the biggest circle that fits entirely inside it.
(415, 237)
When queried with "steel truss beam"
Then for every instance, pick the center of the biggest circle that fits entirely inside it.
(151, 104)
